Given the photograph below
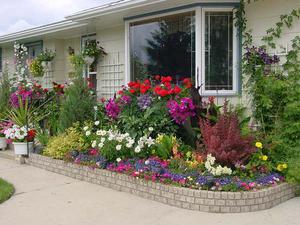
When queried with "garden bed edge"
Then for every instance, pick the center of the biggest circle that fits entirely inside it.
(199, 200)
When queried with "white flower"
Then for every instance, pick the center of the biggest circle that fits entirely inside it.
(129, 145)
(86, 128)
(88, 133)
(94, 144)
(102, 140)
(147, 162)
(119, 147)
(95, 108)
(137, 149)
(118, 160)
(100, 145)
(151, 129)
(97, 123)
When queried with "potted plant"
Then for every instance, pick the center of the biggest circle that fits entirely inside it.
(46, 58)
(92, 51)
(22, 138)
(4, 125)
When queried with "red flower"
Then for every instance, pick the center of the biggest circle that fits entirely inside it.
(144, 88)
(147, 82)
(176, 90)
(121, 92)
(46, 90)
(31, 135)
(157, 77)
(132, 91)
(163, 93)
(131, 84)
(187, 82)
(167, 79)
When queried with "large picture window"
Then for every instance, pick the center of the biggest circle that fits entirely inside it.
(163, 45)
(200, 44)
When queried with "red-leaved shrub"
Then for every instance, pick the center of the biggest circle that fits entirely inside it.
(224, 141)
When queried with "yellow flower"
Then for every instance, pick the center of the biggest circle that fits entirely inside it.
(188, 154)
(159, 138)
(280, 167)
(264, 158)
(285, 166)
(258, 145)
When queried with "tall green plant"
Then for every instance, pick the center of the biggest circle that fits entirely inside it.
(79, 101)
(4, 92)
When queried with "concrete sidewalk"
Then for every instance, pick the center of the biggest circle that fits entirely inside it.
(45, 198)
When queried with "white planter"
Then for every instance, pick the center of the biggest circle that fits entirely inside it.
(89, 60)
(3, 143)
(47, 65)
(21, 147)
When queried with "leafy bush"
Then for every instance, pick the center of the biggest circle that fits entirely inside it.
(77, 105)
(60, 145)
(4, 92)
(36, 68)
(224, 141)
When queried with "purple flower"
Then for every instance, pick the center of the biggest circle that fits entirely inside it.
(24, 96)
(125, 99)
(112, 109)
(181, 111)
(144, 101)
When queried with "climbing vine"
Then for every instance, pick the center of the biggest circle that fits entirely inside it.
(274, 86)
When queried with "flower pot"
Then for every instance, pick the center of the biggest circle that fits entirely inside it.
(47, 65)
(89, 60)
(3, 143)
(21, 147)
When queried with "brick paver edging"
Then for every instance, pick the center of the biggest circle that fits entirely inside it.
(200, 200)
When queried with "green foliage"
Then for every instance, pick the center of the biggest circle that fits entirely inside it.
(36, 68)
(6, 190)
(164, 147)
(78, 64)
(77, 105)
(275, 97)
(4, 92)
(93, 49)
(137, 122)
(26, 114)
(60, 145)
(46, 56)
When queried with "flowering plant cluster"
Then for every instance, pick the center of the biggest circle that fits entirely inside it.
(20, 134)
(260, 56)
(4, 125)
(93, 49)
(216, 171)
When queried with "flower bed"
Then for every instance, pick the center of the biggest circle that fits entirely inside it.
(199, 200)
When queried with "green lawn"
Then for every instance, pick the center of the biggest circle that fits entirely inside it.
(6, 190)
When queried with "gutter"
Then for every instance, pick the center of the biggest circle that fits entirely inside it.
(41, 30)
(114, 7)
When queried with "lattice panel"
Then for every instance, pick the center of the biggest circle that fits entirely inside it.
(111, 75)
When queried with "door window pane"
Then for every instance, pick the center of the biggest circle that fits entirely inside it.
(218, 50)
(164, 46)
(34, 49)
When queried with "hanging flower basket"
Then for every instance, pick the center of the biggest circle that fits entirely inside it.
(89, 60)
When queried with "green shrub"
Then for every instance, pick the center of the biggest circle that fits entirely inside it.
(4, 92)
(77, 105)
(60, 145)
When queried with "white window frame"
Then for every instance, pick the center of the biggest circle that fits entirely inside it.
(200, 48)
(235, 65)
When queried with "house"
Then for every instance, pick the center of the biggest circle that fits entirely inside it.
(191, 38)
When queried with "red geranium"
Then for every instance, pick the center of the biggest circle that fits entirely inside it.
(187, 82)
(167, 79)
(31, 135)
(176, 90)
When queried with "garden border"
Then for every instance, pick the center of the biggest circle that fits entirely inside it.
(199, 200)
